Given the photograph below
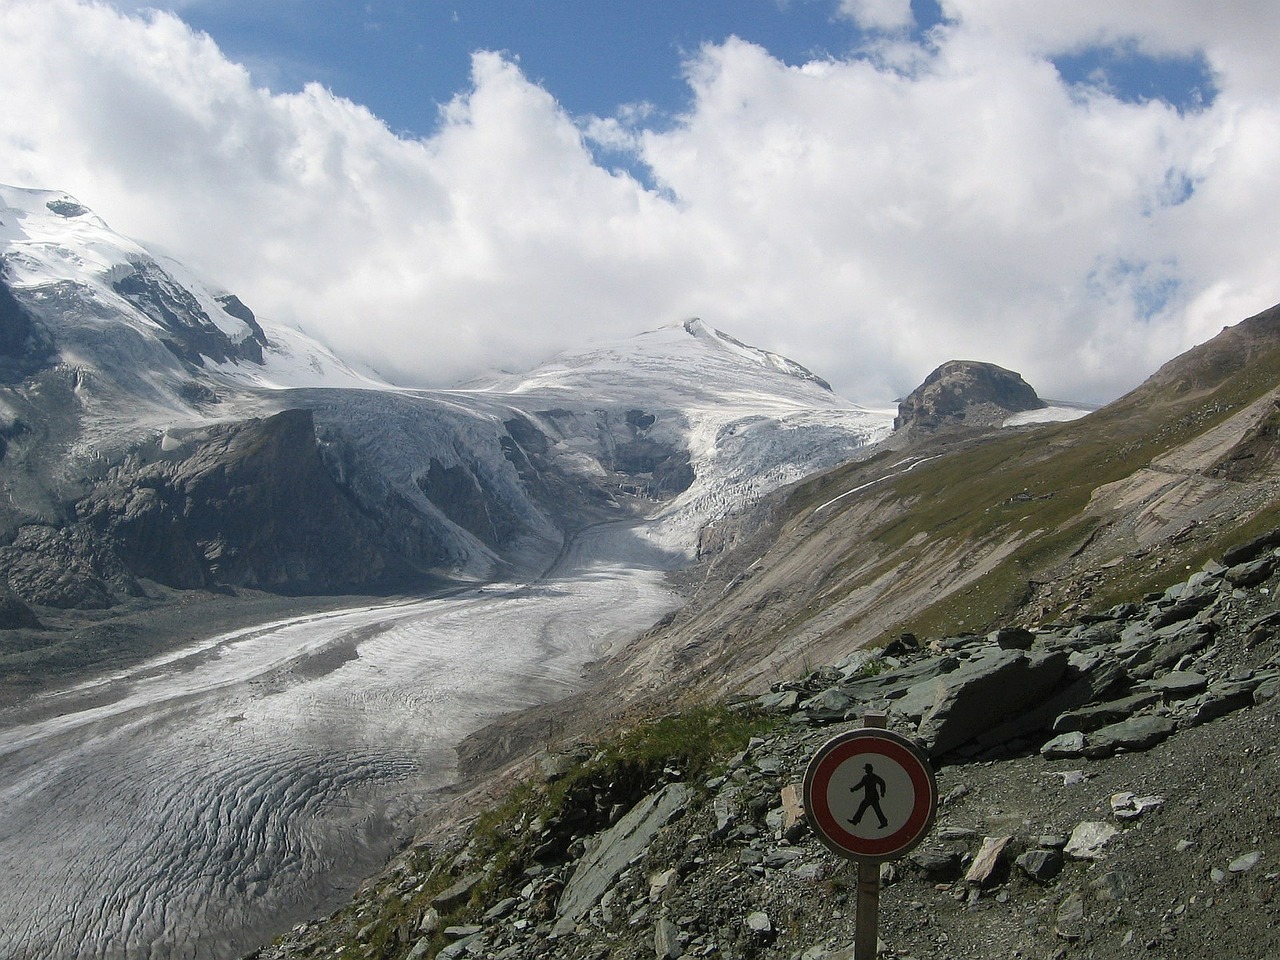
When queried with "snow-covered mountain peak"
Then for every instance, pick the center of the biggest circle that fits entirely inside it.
(684, 364)
(149, 312)
(47, 234)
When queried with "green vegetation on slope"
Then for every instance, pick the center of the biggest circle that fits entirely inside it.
(1033, 487)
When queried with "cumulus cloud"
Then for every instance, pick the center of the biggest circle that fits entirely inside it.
(870, 216)
(878, 14)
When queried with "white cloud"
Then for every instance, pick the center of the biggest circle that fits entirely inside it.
(870, 217)
(878, 14)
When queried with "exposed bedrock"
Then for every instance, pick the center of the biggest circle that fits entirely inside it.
(251, 505)
(966, 393)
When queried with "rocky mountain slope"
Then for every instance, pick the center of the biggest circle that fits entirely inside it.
(1108, 790)
(1078, 621)
(959, 534)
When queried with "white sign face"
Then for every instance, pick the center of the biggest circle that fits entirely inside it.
(870, 794)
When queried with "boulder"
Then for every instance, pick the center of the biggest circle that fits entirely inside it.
(1065, 746)
(1041, 865)
(1098, 715)
(1223, 698)
(1250, 574)
(1136, 733)
(987, 860)
(985, 691)
(1088, 839)
(1179, 684)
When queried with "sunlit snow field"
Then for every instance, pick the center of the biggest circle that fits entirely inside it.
(197, 803)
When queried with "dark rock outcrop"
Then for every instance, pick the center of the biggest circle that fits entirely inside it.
(14, 613)
(251, 504)
(966, 393)
(24, 345)
(190, 334)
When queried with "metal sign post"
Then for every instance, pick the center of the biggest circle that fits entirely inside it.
(870, 796)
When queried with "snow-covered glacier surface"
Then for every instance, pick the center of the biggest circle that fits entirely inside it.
(193, 806)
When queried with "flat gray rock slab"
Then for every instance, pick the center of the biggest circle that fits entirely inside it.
(984, 691)
(617, 847)
(1136, 733)
(1179, 684)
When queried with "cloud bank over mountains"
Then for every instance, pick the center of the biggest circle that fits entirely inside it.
(930, 196)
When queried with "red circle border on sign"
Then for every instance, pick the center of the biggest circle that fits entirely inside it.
(823, 767)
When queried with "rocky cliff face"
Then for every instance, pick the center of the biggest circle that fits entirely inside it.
(247, 504)
(190, 333)
(965, 393)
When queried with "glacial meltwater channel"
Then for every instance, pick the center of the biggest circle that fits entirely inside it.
(193, 806)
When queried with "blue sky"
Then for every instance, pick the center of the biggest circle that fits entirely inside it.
(401, 58)
(1077, 191)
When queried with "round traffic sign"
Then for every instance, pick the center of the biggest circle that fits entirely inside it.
(870, 794)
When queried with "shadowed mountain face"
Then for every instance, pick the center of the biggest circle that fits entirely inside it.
(250, 504)
(190, 333)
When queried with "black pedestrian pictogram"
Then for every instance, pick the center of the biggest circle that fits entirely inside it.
(872, 788)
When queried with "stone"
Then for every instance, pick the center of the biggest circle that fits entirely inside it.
(810, 871)
(985, 691)
(618, 846)
(460, 948)
(782, 856)
(1088, 839)
(986, 860)
(462, 931)
(1179, 684)
(725, 809)
(828, 706)
(1223, 698)
(1246, 862)
(1070, 921)
(1250, 574)
(666, 940)
(430, 921)
(1012, 638)
(782, 701)
(659, 883)
(793, 818)
(1136, 733)
(1098, 715)
(1041, 865)
(1065, 746)
(458, 894)
(758, 922)
(1129, 806)
(936, 862)
(500, 909)
(1111, 885)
